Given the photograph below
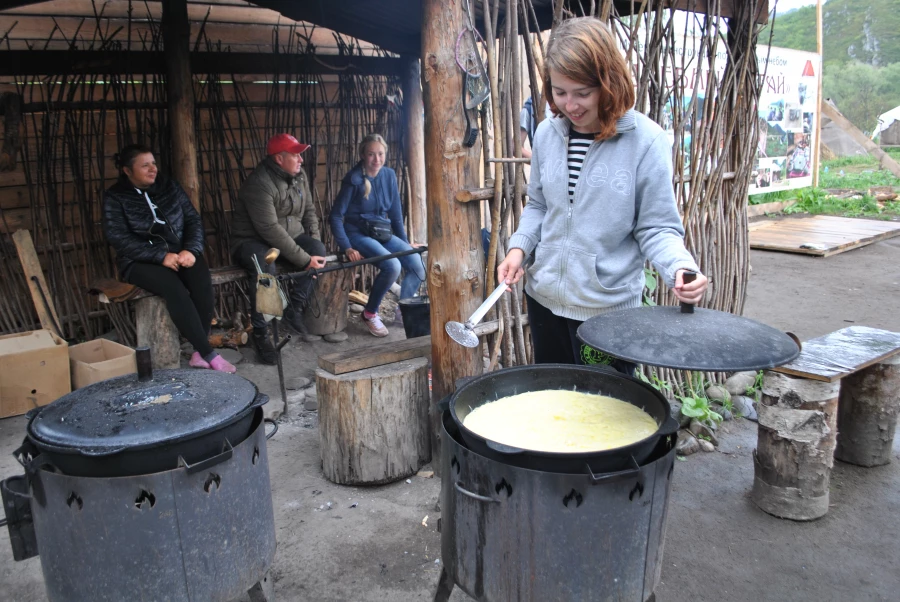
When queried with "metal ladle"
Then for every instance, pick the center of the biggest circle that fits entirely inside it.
(464, 334)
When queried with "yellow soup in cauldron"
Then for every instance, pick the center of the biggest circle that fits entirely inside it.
(561, 421)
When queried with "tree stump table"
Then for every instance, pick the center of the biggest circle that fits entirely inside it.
(329, 307)
(155, 329)
(847, 381)
(373, 423)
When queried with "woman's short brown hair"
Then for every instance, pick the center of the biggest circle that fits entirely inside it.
(584, 49)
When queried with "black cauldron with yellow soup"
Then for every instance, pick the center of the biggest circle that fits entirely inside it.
(594, 380)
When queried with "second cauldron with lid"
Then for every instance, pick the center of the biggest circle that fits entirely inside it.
(144, 423)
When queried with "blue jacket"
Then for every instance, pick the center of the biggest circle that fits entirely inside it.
(350, 206)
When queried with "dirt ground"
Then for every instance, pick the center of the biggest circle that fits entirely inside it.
(719, 545)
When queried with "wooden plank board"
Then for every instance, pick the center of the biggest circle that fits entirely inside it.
(836, 355)
(820, 235)
(376, 355)
(32, 268)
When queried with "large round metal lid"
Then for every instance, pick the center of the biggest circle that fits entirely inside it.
(705, 340)
(124, 413)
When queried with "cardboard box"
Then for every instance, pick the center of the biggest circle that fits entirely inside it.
(98, 360)
(34, 370)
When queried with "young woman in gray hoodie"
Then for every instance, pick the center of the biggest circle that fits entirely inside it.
(600, 200)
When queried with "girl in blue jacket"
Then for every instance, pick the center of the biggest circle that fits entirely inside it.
(367, 221)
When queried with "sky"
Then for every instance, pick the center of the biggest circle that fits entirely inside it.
(786, 5)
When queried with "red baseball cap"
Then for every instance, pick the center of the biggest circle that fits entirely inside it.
(284, 143)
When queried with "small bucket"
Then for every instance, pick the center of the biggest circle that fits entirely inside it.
(416, 312)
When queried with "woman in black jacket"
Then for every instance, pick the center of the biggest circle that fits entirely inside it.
(158, 237)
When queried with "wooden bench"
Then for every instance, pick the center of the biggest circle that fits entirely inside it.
(153, 326)
(839, 399)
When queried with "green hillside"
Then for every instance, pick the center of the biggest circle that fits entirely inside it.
(867, 31)
(861, 40)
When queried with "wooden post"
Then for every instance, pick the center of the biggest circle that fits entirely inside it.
(156, 330)
(415, 148)
(176, 33)
(455, 256)
(795, 449)
(867, 414)
(373, 423)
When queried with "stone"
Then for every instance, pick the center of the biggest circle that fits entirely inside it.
(683, 421)
(739, 382)
(231, 355)
(356, 308)
(309, 338)
(745, 407)
(701, 430)
(723, 412)
(336, 337)
(706, 445)
(687, 444)
(717, 393)
(292, 383)
(311, 405)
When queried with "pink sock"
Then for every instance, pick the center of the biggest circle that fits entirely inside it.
(220, 364)
(368, 315)
(197, 361)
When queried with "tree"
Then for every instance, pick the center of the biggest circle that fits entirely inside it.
(854, 88)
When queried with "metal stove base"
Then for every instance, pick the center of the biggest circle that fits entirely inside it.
(513, 534)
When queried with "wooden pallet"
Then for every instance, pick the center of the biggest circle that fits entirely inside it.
(819, 235)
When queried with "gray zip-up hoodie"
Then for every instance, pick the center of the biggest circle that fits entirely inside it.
(589, 253)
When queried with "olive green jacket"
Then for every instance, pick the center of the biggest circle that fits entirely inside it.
(275, 208)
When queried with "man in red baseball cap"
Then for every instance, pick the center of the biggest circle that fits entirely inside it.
(285, 143)
(274, 208)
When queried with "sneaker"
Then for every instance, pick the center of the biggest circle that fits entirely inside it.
(375, 325)
(197, 361)
(265, 350)
(220, 364)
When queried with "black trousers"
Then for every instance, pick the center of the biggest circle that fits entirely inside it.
(188, 294)
(555, 341)
(300, 289)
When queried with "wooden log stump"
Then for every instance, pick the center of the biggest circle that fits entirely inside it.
(156, 330)
(328, 309)
(373, 423)
(795, 450)
(867, 414)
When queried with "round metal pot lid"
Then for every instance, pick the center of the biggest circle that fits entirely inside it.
(704, 340)
(125, 413)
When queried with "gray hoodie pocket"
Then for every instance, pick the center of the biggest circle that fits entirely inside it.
(582, 286)
(543, 276)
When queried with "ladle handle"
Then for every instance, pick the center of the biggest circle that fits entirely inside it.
(488, 303)
(688, 276)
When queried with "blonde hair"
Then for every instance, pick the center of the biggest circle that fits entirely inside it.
(369, 139)
(584, 49)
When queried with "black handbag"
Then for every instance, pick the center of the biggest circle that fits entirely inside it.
(378, 228)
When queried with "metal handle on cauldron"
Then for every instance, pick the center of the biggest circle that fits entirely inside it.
(226, 454)
(688, 276)
(274, 427)
(474, 496)
(611, 477)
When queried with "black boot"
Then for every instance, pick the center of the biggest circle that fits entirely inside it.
(265, 350)
(294, 319)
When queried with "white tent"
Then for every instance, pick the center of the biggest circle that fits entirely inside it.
(885, 120)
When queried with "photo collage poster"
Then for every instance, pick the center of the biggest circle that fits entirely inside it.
(787, 120)
(787, 112)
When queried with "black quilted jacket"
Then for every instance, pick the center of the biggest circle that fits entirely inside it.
(129, 227)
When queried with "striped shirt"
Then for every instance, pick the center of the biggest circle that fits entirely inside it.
(578, 146)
